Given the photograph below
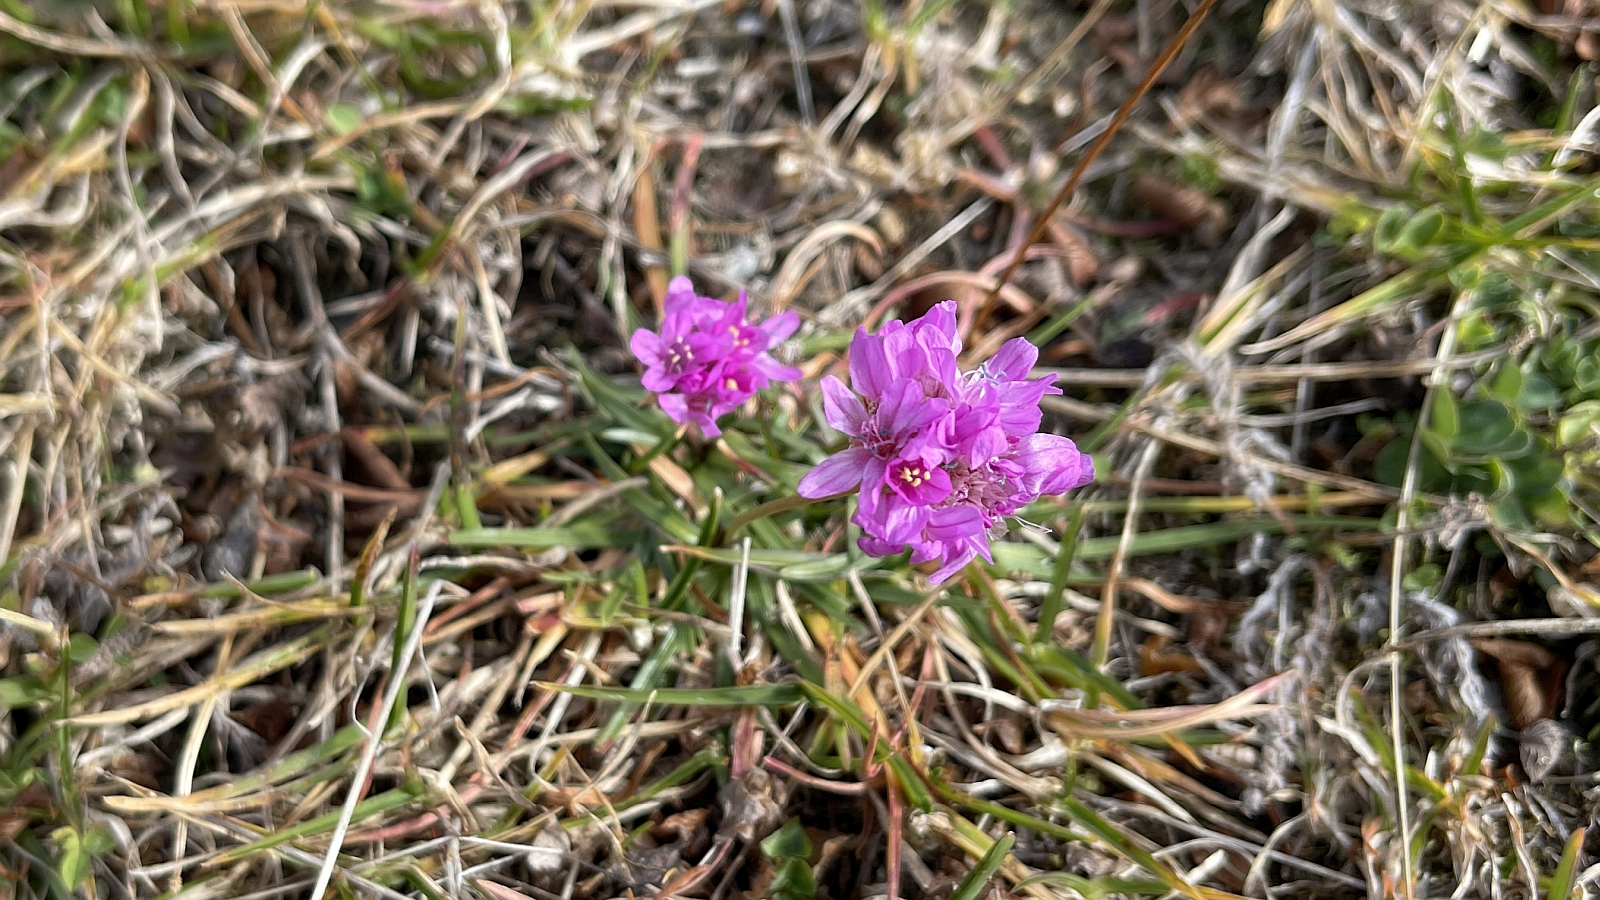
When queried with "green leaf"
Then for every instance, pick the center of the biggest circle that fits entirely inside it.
(75, 863)
(794, 881)
(1116, 840)
(342, 118)
(20, 691)
(383, 193)
(631, 584)
(709, 757)
(788, 841)
(841, 705)
(1421, 229)
(1050, 607)
(630, 436)
(1386, 236)
(1536, 473)
(1552, 510)
(1186, 537)
(1436, 446)
(1520, 443)
(1012, 556)
(99, 841)
(112, 104)
(1424, 576)
(1101, 888)
(766, 559)
(1052, 660)
(1538, 393)
(615, 403)
(1586, 376)
(1476, 331)
(1446, 415)
(1486, 425)
(282, 583)
(792, 565)
(81, 648)
(827, 568)
(1582, 422)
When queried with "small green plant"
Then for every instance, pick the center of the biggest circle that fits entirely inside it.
(788, 850)
(1523, 434)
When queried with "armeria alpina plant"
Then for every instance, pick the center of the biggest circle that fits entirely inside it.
(707, 360)
(940, 456)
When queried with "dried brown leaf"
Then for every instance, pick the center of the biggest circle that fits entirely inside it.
(1530, 678)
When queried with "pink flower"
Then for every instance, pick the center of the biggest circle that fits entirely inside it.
(708, 359)
(940, 457)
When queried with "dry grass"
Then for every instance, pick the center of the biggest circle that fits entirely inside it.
(340, 554)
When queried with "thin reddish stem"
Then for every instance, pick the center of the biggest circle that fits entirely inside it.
(1095, 149)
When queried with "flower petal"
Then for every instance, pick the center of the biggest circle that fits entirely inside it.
(657, 381)
(951, 566)
(675, 406)
(869, 366)
(901, 524)
(843, 409)
(646, 346)
(680, 292)
(1054, 464)
(835, 475)
(872, 490)
(937, 328)
(874, 547)
(1014, 360)
(780, 326)
(906, 410)
(774, 370)
(954, 523)
(1019, 416)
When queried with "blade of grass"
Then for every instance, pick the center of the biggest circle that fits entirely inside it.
(388, 801)
(1077, 812)
(977, 879)
(679, 587)
(646, 681)
(1028, 558)
(1050, 607)
(784, 694)
(404, 623)
(1563, 883)
(282, 583)
(682, 774)
(770, 508)
(582, 536)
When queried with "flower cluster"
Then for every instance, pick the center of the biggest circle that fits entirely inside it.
(941, 456)
(708, 360)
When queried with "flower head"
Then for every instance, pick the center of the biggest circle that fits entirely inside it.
(940, 456)
(708, 359)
